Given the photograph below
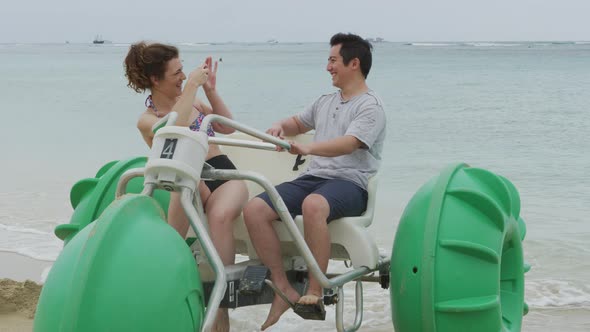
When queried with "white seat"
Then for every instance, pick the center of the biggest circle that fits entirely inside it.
(349, 236)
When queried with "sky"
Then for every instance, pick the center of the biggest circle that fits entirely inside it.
(46, 21)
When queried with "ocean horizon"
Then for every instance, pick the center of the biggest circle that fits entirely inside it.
(481, 43)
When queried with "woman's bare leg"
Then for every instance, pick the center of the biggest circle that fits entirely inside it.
(223, 206)
(176, 216)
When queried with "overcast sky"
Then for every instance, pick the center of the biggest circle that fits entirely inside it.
(27, 21)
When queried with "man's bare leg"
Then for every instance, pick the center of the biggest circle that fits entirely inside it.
(315, 214)
(258, 217)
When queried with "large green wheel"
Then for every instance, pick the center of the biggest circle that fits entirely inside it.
(90, 197)
(126, 271)
(457, 260)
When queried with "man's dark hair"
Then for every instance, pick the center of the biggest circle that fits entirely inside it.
(354, 46)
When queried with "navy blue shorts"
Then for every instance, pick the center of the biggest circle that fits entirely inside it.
(345, 198)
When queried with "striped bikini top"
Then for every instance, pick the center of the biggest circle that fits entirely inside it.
(194, 126)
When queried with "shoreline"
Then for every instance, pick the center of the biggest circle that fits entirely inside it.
(19, 267)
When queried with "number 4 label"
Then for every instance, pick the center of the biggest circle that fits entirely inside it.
(169, 147)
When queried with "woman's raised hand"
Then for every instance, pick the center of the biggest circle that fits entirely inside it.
(212, 80)
(200, 75)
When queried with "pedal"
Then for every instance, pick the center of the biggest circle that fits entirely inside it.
(311, 311)
(252, 281)
(330, 297)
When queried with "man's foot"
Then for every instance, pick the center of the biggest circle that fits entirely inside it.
(309, 299)
(221, 323)
(278, 307)
(310, 306)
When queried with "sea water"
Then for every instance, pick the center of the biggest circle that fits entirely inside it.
(518, 109)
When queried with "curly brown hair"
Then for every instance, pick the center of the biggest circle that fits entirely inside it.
(146, 60)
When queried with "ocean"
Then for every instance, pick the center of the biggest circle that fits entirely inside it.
(518, 109)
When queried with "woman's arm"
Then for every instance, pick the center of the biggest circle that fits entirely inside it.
(145, 123)
(217, 105)
(184, 105)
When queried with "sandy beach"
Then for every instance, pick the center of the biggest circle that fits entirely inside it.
(19, 291)
(18, 301)
(15, 323)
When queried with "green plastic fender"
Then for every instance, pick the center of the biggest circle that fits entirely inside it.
(127, 271)
(89, 197)
(457, 259)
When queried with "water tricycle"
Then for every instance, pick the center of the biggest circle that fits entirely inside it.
(456, 264)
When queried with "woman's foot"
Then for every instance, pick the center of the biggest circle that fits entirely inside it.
(279, 306)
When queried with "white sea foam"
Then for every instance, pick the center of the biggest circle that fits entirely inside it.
(431, 44)
(50, 254)
(557, 293)
(24, 230)
(30, 242)
(481, 44)
(193, 44)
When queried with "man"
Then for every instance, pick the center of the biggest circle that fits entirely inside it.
(349, 133)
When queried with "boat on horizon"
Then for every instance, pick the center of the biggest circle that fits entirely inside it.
(375, 40)
(98, 40)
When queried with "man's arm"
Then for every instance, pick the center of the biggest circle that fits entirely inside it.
(288, 127)
(333, 148)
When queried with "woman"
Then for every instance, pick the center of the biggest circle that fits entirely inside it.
(158, 68)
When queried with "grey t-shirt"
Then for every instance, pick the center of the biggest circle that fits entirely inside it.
(362, 117)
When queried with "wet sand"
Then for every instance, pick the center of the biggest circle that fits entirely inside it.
(20, 267)
(19, 290)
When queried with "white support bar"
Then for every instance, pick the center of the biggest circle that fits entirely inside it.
(167, 120)
(245, 129)
(241, 143)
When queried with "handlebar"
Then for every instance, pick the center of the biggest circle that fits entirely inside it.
(170, 120)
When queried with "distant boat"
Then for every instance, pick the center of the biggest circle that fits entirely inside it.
(375, 40)
(272, 41)
(98, 40)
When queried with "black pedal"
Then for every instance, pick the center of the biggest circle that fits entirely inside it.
(252, 281)
(311, 311)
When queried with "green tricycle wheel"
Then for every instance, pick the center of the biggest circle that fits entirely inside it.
(127, 271)
(457, 260)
